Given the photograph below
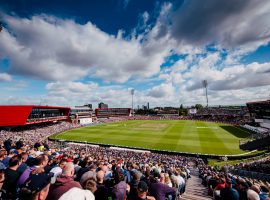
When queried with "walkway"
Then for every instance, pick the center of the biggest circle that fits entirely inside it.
(194, 189)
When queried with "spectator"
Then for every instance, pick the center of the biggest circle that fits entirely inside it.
(90, 184)
(90, 174)
(252, 195)
(36, 187)
(23, 166)
(11, 177)
(3, 154)
(7, 144)
(120, 189)
(142, 190)
(228, 193)
(57, 170)
(12, 152)
(160, 191)
(102, 191)
(168, 180)
(243, 188)
(63, 183)
(78, 194)
(264, 193)
(40, 161)
(134, 184)
(2, 179)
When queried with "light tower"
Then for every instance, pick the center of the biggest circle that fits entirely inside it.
(132, 94)
(205, 85)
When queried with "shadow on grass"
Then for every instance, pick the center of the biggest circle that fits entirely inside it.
(237, 132)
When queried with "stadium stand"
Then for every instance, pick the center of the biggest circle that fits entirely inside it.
(225, 184)
(231, 115)
(98, 170)
(260, 125)
(31, 167)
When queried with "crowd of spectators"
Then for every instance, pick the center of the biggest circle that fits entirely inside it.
(205, 114)
(225, 186)
(235, 116)
(37, 133)
(261, 166)
(31, 168)
(239, 111)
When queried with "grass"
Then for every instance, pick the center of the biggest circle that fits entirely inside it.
(171, 135)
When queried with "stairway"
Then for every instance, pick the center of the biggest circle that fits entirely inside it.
(194, 188)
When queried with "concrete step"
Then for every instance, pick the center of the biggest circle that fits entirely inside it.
(194, 189)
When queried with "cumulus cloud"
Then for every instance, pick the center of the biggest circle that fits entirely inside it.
(237, 76)
(50, 48)
(5, 77)
(63, 53)
(70, 88)
(76, 93)
(162, 91)
(226, 23)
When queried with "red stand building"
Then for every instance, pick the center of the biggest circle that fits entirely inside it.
(19, 115)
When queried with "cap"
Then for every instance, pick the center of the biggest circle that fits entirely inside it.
(37, 182)
(142, 186)
(13, 151)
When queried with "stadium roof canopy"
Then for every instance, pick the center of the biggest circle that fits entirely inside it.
(19, 115)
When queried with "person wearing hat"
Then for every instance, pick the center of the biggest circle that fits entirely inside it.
(142, 190)
(11, 153)
(36, 187)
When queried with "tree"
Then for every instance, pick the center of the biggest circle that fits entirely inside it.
(181, 106)
(183, 111)
(198, 106)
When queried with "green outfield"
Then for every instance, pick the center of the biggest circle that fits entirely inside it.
(171, 135)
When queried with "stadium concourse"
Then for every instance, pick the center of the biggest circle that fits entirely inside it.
(32, 167)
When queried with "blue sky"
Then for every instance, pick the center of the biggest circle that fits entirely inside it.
(70, 53)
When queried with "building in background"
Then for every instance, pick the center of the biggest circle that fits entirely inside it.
(102, 105)
(112, 112)
(81, 114)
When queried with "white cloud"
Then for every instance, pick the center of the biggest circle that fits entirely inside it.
(5, 77)
(64, 52)
(163, 90)
(230, 24)
(236, 76)
(49, 48)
